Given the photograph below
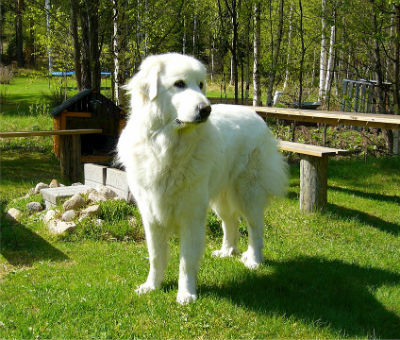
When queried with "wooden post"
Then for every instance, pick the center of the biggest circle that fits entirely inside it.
(70, 157)
(313, 182)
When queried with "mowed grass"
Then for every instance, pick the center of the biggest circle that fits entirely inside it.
(327, 275)
(332, 275)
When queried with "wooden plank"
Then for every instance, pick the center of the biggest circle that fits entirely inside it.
(49, 133)
(78, 114)
(70, 157)
(96, 158)
(310, 150)
(330, 117)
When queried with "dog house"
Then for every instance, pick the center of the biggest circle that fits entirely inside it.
(90, 110)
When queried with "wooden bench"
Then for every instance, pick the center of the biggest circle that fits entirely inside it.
(70, 148)
(313, 173)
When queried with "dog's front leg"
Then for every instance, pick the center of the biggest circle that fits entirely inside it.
(157, 245)
(192, 245)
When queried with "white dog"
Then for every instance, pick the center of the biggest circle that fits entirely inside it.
(181, 156)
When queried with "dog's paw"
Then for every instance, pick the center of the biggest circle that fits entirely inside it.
(225, 252)
(185, 298)
(250, 260)
(145, 288)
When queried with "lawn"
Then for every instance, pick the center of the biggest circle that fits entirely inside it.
(332, 275)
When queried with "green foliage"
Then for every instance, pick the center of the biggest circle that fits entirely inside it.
(120, 221)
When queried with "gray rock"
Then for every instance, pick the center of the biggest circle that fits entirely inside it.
(89, 191)
(34, 207)
(50, 214)
(76, 201)
(75, 184)
(68, 215)
(96, 197)
(54, 184)
(59, 227)
(107, 192)
(98, 222)
(39, 187)
(91, 210)
(13, 214)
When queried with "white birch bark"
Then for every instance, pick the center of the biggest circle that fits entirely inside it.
(329, 71)
(289, 48)
(256, 56)
(47, 7)
(116, 51)
(323, 58)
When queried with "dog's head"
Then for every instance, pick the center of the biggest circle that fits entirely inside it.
(174, 85)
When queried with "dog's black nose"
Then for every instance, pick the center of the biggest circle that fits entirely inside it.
(203, 111)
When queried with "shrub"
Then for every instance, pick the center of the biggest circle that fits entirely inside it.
(55, 96)
(6, 74)
(121, 222)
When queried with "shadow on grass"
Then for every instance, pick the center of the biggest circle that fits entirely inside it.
(376, 222)
(323, 293)
(20, 246)
(367, 195)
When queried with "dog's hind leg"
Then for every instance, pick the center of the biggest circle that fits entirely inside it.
(253, 256)
(230, 227)
(157, 245)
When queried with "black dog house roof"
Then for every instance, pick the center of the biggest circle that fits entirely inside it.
(86, 97)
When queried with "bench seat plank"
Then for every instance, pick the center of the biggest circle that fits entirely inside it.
(310, 150)
(13, 134)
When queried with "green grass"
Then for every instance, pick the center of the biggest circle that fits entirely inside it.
(326, 275)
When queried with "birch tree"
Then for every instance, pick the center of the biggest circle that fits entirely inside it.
(256, 55)
(275, 48)
(323, 57)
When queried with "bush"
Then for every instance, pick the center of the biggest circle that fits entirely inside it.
(55, 96)
(6, 74)
(121, 222)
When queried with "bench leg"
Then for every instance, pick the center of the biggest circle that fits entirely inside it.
(70, 157)
(313, 183)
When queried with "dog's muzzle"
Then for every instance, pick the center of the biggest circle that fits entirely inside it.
(202, 112)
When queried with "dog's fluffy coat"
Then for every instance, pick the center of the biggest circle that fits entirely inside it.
(179, 165)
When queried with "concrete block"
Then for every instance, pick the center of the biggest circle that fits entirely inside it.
(95, 173)
(54, 196)
(117, 181)
(92, 184)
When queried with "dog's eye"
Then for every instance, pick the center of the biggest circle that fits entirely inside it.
(201, 85)
(180, 84)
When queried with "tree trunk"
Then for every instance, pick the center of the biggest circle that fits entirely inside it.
(1, 31)
(30, 49)
(116, 50)
(184, 36)
(47, 6)
(329, 71)
(396, 75)
(92, 8)
(86, 82)
(379, 72)
(118, 41)
(275, 56)
(194, 37)
(256, 56)
(18, 34)
(323, 59)
(76, 43)
(289, 46)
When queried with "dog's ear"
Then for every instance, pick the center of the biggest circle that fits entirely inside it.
(146, 82)
(152, 82)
